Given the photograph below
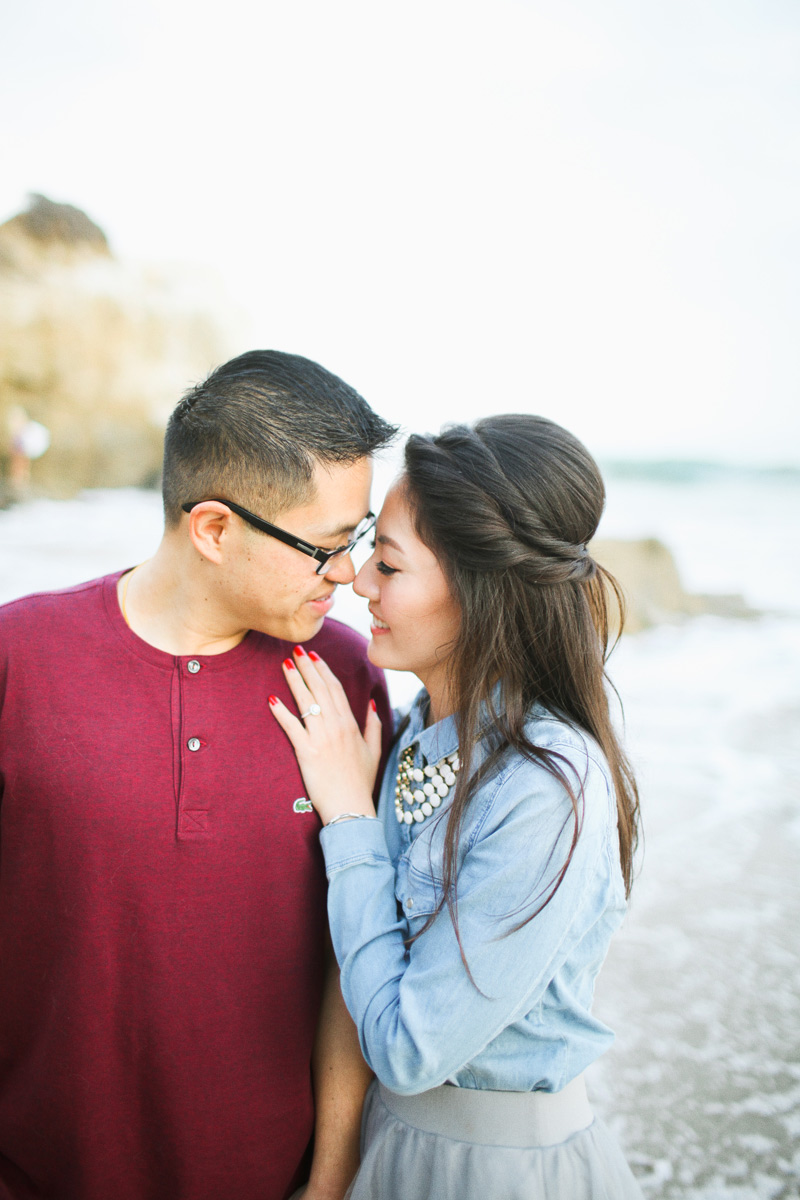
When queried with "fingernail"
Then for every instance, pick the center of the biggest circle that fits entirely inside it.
(373, 706)
(299, 651)
(273, 700)
(312, 654)
(287, 662)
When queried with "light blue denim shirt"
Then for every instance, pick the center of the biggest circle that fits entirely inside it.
(528, 1024)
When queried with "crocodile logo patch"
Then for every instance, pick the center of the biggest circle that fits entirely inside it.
(302, 805)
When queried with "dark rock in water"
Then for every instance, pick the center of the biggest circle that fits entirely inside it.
(647, 572)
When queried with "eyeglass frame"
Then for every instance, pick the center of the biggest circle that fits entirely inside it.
(323, 557)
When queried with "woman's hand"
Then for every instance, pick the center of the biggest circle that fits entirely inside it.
(337, 762)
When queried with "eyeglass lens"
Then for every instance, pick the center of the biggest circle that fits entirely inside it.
(357, 547)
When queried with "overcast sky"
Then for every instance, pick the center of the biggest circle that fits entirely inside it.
(584, 208)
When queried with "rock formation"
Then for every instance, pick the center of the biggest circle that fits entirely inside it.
(649, 578)
(96, 350)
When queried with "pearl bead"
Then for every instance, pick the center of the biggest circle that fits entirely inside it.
(414, 803)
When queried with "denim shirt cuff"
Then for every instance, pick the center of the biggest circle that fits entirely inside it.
(349, 843)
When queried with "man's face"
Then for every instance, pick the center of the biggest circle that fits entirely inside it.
(274, 588)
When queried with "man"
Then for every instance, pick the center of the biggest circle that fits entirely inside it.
(162, 895)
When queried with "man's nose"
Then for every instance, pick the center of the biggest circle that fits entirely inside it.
(342, 570)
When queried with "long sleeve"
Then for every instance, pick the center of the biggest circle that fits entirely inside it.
(420, 1017)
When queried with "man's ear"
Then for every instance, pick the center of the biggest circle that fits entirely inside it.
(210, 529)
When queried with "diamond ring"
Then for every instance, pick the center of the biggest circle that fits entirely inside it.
(314, 711)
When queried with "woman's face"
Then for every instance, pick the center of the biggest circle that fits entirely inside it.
(414, 617)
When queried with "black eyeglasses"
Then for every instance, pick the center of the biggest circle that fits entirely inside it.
(325, 558)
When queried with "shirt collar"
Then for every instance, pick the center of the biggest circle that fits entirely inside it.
(437, 740)
(441, 739)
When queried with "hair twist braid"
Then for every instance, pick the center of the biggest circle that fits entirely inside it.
(499, 528)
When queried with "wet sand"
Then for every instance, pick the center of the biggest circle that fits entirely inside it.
(703, 983)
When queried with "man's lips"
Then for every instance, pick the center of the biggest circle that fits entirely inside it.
(323, 603)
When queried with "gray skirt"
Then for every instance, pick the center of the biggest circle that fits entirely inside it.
(463, 1144)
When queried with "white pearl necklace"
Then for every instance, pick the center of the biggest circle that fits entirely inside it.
(420, 790)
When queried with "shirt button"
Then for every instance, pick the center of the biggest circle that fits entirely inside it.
(193, 743)
(409, 902)
(193, 666)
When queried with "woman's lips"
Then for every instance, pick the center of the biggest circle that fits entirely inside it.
(378, 626)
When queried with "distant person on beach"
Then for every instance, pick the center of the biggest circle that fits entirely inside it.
(165, 982)
(28, 440)
(471, 916)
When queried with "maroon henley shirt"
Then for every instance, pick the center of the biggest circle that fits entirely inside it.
(162, 910)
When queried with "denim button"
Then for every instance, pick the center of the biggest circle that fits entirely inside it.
(409, 902)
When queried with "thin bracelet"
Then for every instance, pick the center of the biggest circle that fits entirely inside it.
(350, 817)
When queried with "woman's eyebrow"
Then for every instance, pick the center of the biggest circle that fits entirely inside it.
(383, 540)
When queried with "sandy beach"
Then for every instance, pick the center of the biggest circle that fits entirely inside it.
(701, 985)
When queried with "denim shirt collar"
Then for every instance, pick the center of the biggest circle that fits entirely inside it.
(441, 739)
(434, 742)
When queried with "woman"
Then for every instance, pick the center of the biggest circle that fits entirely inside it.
(471, 918)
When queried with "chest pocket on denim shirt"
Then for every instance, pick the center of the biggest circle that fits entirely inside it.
(417, 890)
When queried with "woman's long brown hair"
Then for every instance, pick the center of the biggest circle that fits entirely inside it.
(507, 506)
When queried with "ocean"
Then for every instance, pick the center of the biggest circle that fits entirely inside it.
(702, 985)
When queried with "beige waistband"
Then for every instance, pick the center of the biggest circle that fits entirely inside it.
(487, 1118)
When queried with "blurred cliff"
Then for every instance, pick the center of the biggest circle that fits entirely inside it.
(96, 351)
(648, 574)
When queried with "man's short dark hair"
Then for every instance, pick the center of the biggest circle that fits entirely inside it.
(255, 428)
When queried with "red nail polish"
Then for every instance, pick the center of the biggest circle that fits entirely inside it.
(312, 654)
(287, 662)
(373, 706)
(299, 651)
(273, 700)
